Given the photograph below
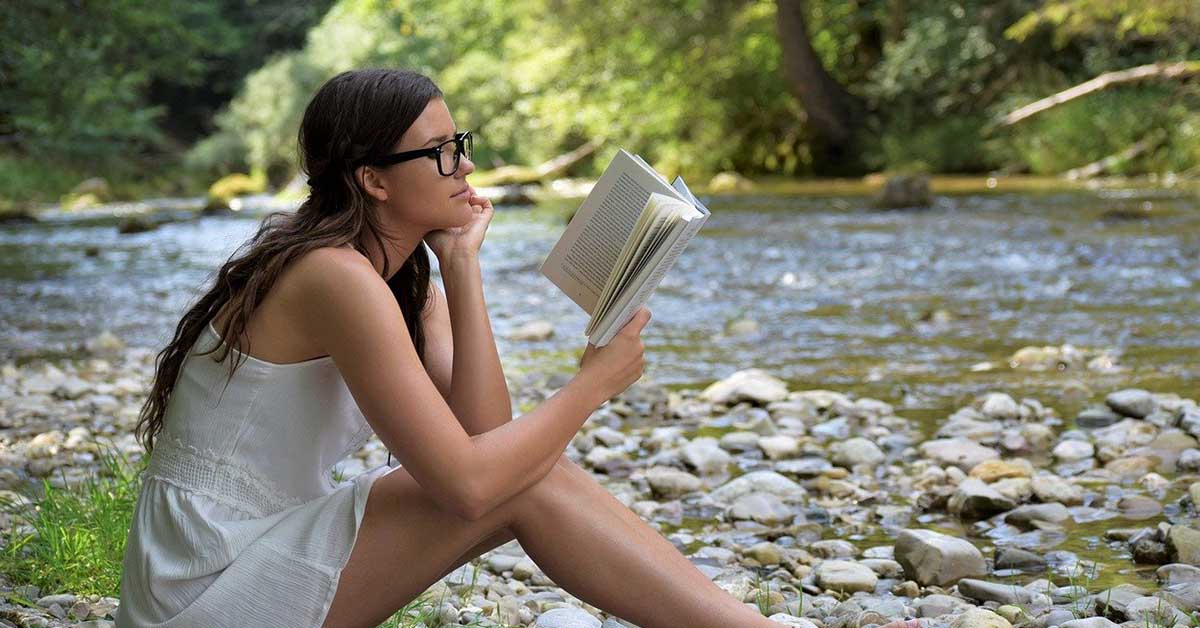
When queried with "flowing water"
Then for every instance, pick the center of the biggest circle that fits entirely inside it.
(923, 309)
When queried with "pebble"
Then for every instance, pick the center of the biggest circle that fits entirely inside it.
(845, 576)
(799, 491)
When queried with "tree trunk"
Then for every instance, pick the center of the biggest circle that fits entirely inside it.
(833, 114)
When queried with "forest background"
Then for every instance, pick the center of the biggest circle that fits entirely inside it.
(163, 98)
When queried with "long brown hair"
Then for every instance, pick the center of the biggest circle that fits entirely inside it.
(356, 114)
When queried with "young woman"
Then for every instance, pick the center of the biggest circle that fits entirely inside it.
(326, 328)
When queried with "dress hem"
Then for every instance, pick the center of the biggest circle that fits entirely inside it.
(362, 488)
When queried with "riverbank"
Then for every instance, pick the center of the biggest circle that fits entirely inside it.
(832, 509)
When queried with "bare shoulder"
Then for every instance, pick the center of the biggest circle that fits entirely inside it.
(329, 272)
(332, 290)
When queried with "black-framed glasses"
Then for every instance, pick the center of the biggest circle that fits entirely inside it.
(447, 160)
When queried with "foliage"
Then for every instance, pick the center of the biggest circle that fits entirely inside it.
(80, 82)
(80, 531)
(691, 85)
(695, 86)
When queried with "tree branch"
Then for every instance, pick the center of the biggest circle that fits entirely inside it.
(1180, 69)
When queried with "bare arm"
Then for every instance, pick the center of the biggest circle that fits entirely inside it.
(353, 315)
(461, 350)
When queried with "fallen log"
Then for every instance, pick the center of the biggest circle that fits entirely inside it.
(1100, 165)
(505, 175)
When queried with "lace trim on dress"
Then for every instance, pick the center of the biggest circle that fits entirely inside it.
(205, 472)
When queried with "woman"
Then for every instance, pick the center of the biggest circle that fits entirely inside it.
(329, 330)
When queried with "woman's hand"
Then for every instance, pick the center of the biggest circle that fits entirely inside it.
(447, 243)
(618, 364)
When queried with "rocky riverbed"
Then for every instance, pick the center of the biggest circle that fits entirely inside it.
(822, 509)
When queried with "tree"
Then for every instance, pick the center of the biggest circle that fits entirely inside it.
(833, 114)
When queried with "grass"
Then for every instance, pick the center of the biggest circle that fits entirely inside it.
(79, 532)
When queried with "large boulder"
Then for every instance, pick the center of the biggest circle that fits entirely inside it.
(930, 557)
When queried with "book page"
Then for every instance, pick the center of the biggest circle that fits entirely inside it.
(635, 273)
(652, 226)
(663, 263)
(584, 256)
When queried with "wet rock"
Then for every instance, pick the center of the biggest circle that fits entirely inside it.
(1189, 460)
(992, 470)
(1138, 507)
(1072, 450)
(764, 508)
(845, 576)
(1124, 435)
(779, 446)
(1017, 489)
(1017, 558)
(1051, 488)
(1047, 358)
(566, 617)
(1176, 573)
(533, 331)
(1114, 602)
(106, 344)
(974, 499)
(765, 553)
(1096, 417)
(1056, 617)
(791, 620)
(936, 605)
(904, 190)
(980, 618)
(1132, 402)
(1148, 550)
(1089, 622)
(985, 591)
(833, 548)
(739, 442)
(758, 482)
(934, 558)
(753, 385)
(1131, 467)
(963, 453)
(671, 483)
(856, 451)
(1026, 516)
(883, 567)
(1184, 543)
(1184, 596)
(1000, 407)
(1155, 611)
(705, 455)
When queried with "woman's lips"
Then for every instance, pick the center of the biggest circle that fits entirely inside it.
(462, 194)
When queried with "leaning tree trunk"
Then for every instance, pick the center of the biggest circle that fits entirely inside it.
(834, 115)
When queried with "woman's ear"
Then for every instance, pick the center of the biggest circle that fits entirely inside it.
(370, 181)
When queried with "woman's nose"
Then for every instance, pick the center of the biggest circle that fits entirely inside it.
(467, 166)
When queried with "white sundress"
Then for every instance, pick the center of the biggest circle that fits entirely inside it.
(239, 521)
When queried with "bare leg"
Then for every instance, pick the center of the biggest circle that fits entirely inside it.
(579, 534)
(592, 545)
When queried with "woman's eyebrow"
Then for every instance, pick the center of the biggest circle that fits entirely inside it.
(440, 138)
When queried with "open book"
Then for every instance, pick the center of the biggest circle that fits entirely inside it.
(622, 241)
